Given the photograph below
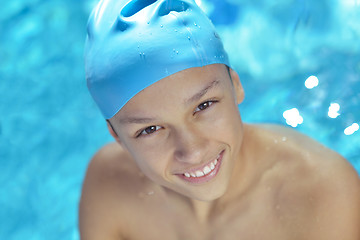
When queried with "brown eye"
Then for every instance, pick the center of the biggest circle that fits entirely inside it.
(149, 130)
(204, 106)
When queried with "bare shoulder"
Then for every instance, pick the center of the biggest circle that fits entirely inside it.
(315, 158)
(325, 181)
(307, 147)
(110, 186)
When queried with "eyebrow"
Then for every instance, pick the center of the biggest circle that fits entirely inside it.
(136, 120)
(202, 92)
(192, 99)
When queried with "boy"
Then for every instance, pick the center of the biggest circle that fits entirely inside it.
(184, 165)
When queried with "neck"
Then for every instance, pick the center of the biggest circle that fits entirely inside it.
(244, 175)
(244, 170)
(202, 210)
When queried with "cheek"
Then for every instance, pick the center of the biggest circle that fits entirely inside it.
(150, 160)
(226, 121)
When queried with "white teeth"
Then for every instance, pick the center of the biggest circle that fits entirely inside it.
(206, 170)
(199, 173)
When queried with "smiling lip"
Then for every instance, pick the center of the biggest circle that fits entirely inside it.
(204, 174)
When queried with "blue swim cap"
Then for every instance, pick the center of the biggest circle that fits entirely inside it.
(132, 44)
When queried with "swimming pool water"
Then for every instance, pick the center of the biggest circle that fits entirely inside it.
(50, 128)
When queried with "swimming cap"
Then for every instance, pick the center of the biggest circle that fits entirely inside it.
(134, 43)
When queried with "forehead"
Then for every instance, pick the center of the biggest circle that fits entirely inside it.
(178, 88)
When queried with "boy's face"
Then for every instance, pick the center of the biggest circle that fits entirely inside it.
(185, 126)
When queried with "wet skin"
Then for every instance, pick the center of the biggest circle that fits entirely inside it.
(268, 182)
(194, 118)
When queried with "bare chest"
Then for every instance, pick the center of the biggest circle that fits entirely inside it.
(271, 210)
(233, 222)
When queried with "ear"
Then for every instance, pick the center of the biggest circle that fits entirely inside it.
(112, 132)
(238, 89)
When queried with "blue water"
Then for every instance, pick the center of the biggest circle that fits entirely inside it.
(50, 128)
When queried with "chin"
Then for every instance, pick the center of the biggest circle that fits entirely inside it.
(203, 193)
(209, 197)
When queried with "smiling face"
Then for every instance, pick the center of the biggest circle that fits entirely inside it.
(185, 131)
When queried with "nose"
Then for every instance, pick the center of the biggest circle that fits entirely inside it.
(190, 145)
